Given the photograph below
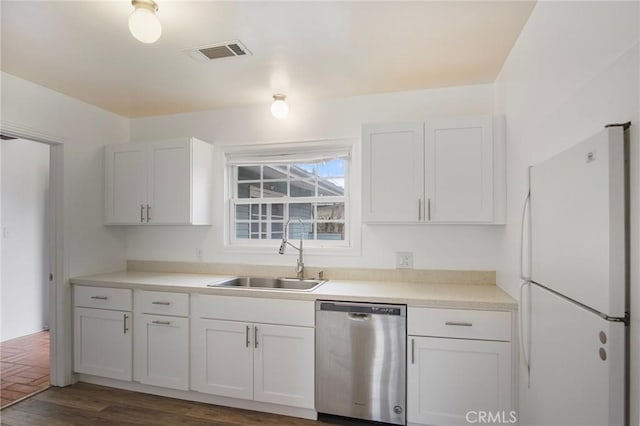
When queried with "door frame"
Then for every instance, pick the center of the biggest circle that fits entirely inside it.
(59, 293)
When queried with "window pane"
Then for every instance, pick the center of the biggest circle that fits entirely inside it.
(277, 211)
(275, 189)
(242, 212)
(248, 172)
(276, 230)
(330, 211)
(303, 189)
(334, 168)
(249, 190)
(255, 211)
(330, 231)
(297, 228)
(242, 230)
(330, 187)
(275, 172)
(303, 170)
(302, 211)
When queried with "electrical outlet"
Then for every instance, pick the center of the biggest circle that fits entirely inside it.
(199, 254)
(404, 260)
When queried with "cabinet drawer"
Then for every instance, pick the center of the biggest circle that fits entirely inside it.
(252, 309)
(162, 303)
(102, 297)
(459, 323)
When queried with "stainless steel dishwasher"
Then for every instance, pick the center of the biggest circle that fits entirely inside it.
(361, 360)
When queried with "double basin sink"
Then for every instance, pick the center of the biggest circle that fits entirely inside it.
(267, 283)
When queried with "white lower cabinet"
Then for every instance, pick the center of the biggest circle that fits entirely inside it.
(448, 378)
(222, 356)
(162, 351)
(283, 365)
(458, 366)
(161, 348)
(260, 362)
(254, 360)
(102, 343)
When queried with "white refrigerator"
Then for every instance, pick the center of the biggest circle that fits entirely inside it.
(576, 341)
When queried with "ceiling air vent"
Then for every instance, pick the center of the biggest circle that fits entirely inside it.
(218, 51)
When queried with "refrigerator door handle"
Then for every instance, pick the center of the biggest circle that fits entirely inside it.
(525, 348)
(525, 206)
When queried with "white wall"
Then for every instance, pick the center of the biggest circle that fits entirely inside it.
(574, 69)
(437, 247)
(89, 247)
(25, 192)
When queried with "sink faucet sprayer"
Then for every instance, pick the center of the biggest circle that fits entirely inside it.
(283, 246)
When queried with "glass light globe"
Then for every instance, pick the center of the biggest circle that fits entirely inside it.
(279, 108)
(145, 25)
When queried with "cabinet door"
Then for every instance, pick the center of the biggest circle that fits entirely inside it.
(393, 172)
(446, 378)
(162, 351)
(169, 193)
(102, 343)
(126, 184)
(284, 365)
(222, 358)
(459, 170)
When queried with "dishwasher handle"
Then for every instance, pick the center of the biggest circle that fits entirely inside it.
(356, 316)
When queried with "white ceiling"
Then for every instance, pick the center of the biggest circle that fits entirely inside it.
(306, 50)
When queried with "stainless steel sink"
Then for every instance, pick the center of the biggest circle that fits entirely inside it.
(262, 283)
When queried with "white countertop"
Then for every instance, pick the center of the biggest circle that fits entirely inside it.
(469, 296)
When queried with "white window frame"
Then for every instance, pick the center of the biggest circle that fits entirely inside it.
(289, 153)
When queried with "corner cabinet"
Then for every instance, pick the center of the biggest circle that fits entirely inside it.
(459, 361)
(448, 170)
(159, 183)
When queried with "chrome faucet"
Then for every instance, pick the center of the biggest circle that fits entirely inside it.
(283, 246)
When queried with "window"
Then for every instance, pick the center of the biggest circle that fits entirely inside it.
(309, 193)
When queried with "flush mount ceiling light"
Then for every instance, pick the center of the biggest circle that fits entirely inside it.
(279, 107)
(143, 22)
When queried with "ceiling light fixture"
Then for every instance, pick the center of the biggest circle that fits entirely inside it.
(279, 107)
(143, 22)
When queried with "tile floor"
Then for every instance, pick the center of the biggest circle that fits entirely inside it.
(24, 367)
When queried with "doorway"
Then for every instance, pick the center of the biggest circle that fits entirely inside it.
(25, 258)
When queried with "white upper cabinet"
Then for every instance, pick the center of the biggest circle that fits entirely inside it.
(441, 171)
(393, 172)
(159, 183)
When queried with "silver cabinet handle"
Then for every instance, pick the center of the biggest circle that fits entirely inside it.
(246, 336)
(99, 297)
(459, 324)
(413, 351)
(161, 303)
(148, 212)
(125, 323)
(429, 209)
(419, 209)
(255, 336)
(161, 322)
(141, 213)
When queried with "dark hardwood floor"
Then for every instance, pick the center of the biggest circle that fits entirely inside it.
(85, 404)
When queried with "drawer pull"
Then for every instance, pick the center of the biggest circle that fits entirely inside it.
(161, 322)
(124, 324)
(459, 324)
(255, 336)
(246, 336)
(161, 303)
(99, 297)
